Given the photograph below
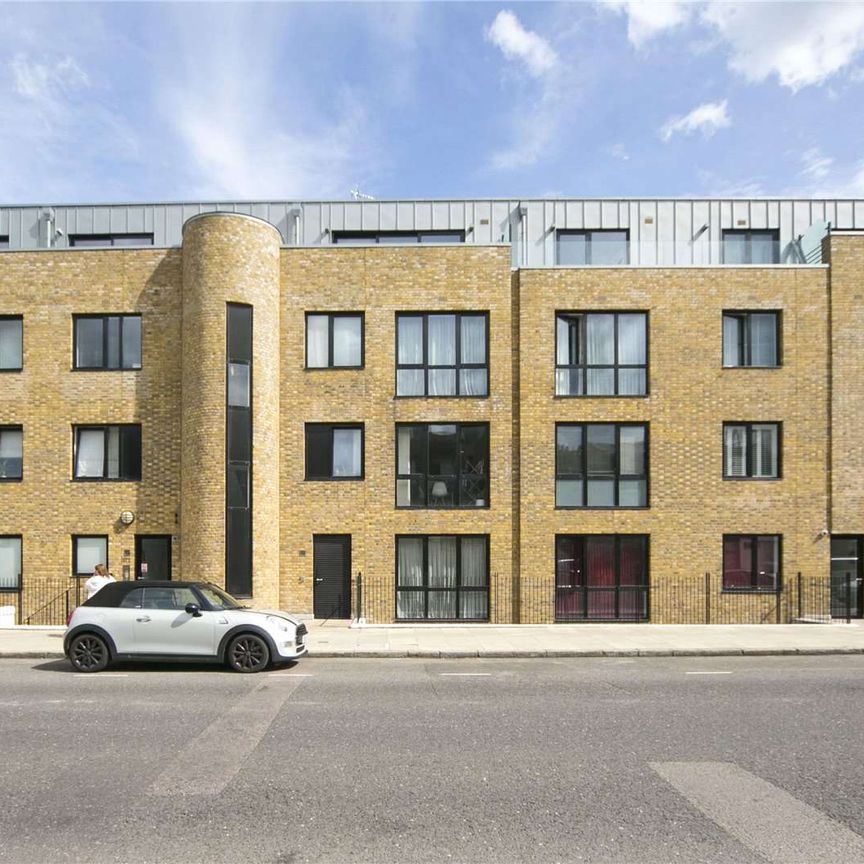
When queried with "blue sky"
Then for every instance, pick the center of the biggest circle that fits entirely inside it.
(188, 101)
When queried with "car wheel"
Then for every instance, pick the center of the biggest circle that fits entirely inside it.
(89, 653)
(248, 653)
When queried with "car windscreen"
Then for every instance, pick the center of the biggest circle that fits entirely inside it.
(218, 599)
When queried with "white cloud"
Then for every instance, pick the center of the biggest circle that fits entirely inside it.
(816, 166)
(801, 43)
(706, 118)
(47, 81)
(618, 151)
(648, 18)
(517, 43)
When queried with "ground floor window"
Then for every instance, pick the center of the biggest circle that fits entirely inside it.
(442, 577)
(10, 563)
(751, 562)
(601, 577)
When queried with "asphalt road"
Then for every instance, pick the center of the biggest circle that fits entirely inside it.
(606, 760)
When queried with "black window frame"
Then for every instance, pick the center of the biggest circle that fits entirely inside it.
(330, 367)
(14, 427)
(104, 317)
(588, 233)
(616, 366)
(373, 238)
(459, 365)
(618, 477)
(457, 478)
(108, 241)
(75, 538)
(9, 589)
(748, 425)
(458, 588)
(746, 351)
(331, 428)
(753, 588)
(104, 428)
(748, 233)
(20, 366)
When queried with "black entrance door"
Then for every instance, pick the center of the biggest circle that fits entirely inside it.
(152, 556)
(847, 569)
(331, 569)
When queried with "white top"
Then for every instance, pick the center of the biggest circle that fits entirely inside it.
(95, 582)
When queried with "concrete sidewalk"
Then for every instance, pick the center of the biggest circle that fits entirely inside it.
(338, 639)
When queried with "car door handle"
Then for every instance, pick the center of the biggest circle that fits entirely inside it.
(143, 618)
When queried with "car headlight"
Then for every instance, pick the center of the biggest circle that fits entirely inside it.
(278, 623)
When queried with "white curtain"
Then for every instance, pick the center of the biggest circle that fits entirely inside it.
(409, 604)
(632, 456)
(90, 551)
(601, 340)
(113, 451)
(90, 455)
(10, 562)
(736, 451)
(410, 339)
(10, 344)
(347, 340)
(763, 340)
(442, 574)
(473, 338)
(631, 339)
(562, 340)
(346, 452)
(317, 328)
(731, 340)
(765, 451)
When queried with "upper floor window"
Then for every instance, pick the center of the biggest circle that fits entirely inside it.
(743, 246)
(107, 341)
(751, 339)
(601, 248)
(442, 465)
(334, 452)
(601, 465)
(442, 354)
(11, 343)
(601, 354)
(751, 450)
(108, 452)
(4, 241)
(751, 562)
(334, 340)
(382, 238)
(11, 452)
(101, 240)
(10, 563)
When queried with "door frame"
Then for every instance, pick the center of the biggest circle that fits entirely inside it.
(857, 612)
(167, 537)
(346, 603)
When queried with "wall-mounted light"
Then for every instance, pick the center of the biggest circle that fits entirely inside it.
(127, 517)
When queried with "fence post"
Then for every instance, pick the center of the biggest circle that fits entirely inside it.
(359, 595)
(707, 598)
(20, 604)
(800, 615)
(848, 598)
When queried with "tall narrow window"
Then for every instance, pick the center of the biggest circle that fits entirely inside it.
(107, 342)
(334, 340)
(442, 354)
(10, 563)
(107, 452)
(751, 450)
(751, 562)
(11, 453)
(601, 354)
(238, 480)
(11, 343)
(601, 465)
(751, 339)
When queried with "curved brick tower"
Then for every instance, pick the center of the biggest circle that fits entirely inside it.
(231, 314)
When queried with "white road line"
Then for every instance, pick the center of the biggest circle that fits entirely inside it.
(99, 675)
(465, 674)
(708, 673)
(289, 675)
(210, 761)
(761, 816)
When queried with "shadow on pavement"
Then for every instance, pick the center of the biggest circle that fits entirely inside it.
(64, 666)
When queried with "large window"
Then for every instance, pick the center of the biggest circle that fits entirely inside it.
(334, 452)
(382, 238)
(751, 562)
(10, 563)
(88, 550)
(601, 354)
(11, 452)
(442, 577)
(751, 450)
(11, 343)
(601, 465)
(601, 577)
(334, 340)
(751, 339)
(442, 465)
(751, 247)
(442, 354)
(101, 240)
(602, 248)
(107, 341)
(108, 452)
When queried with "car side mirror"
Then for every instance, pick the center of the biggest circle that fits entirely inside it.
(193, 610)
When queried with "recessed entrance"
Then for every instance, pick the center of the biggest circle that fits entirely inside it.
(846, 577)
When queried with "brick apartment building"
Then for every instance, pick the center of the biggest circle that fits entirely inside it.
(492, 410)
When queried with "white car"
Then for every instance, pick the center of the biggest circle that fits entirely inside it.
(170, 621)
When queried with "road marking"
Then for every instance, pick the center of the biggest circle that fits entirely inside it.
(761, 816)
(99, 675)
(708, 673)
(290, 675)
(465, 674)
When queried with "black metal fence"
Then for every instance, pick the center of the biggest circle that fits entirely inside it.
(45, 603)
(698, 600)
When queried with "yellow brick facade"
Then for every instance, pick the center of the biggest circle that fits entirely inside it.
(179, 399)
